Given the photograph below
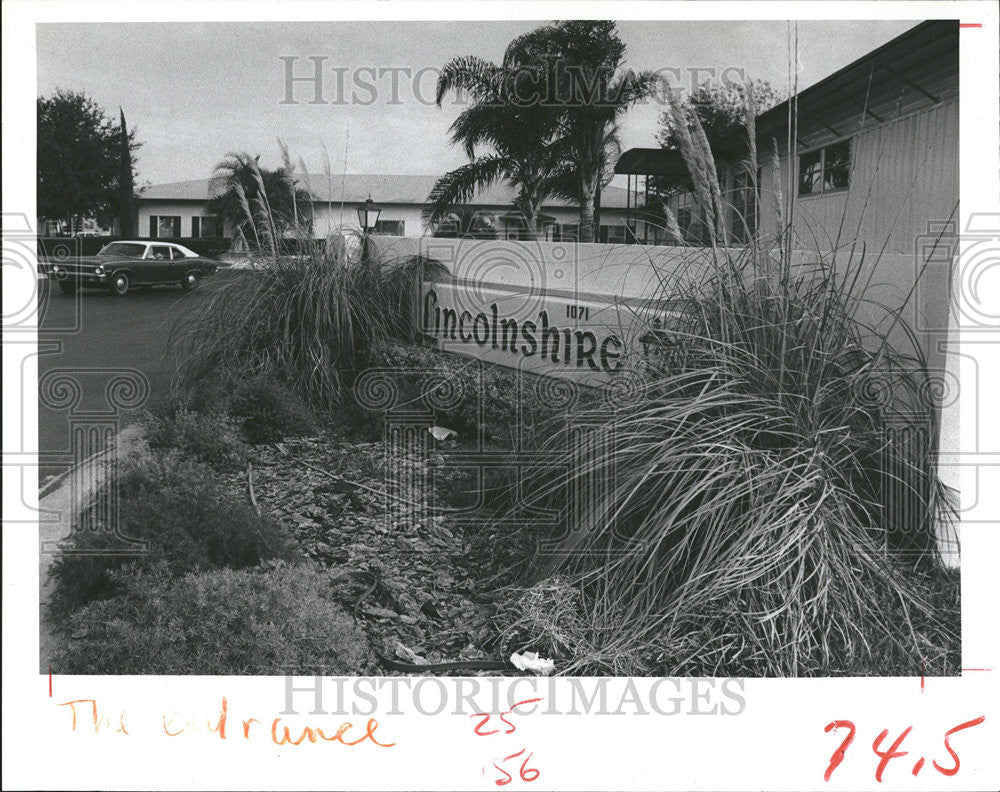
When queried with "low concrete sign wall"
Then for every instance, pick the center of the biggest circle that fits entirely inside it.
(572, 311)
(580, 311)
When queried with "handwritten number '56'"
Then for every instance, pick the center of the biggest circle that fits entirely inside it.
(526, 773)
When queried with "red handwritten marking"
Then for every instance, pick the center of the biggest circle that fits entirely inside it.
(486, 718)
(970, 24)
(246, 727)
(72, 706)
(50, 681)
(502, 781)
(918, 766)
(977, 669)
(838, 755)
(313, 733)
(167, 731)
(889, 755)
(921, 676)
(220, 727)
(947, 745)
(525, 770)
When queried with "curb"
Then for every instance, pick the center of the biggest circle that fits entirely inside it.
(54, 484)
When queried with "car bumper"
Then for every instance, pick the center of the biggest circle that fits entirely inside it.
(81, 278)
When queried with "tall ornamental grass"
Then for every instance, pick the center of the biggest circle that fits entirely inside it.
(308, 318)
(764, 496)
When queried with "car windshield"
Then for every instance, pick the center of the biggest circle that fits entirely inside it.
(124, 249)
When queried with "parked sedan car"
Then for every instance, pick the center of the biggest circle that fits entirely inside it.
(120, 266)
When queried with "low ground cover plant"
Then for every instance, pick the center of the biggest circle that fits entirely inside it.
(175, 504)
(213, 436)
(265, 620)
(267, 411)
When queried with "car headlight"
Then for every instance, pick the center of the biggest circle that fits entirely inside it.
(55, 269)
(98, 270)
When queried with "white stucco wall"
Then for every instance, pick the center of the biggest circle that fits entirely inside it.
(183, 209)
(329, 217)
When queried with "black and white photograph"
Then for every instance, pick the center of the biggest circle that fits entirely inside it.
(555, 349)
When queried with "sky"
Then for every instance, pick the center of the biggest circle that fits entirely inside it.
(196, 91)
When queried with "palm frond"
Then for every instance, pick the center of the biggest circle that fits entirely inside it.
(460, 185)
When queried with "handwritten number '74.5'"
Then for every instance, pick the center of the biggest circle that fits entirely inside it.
(893, 752)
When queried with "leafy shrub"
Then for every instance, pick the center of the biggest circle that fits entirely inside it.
(210, 437)
(267, 411)
(172, 502)
(272, 619)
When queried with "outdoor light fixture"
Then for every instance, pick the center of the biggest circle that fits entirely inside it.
(368, 214)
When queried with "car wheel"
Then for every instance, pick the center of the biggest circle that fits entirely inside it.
(67, 287)
(119, 284)
(191, 281)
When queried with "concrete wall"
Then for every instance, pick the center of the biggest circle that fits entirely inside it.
(619, 289)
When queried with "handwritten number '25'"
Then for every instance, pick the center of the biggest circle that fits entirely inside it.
(486, 719)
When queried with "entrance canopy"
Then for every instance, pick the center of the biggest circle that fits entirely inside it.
(652, 162)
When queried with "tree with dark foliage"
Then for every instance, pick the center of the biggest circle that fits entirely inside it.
(85, 160)
(721, 108)
(127, 218)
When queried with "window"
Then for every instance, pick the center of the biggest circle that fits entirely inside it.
(177, 253)
(164, 226)
(612, 234)
(206, 226)
(159, 252)
(123, 249)
(566, 232)
(837, 166)
(390, 227)
(826, 169)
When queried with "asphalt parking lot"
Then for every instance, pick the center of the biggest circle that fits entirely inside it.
(92, 344)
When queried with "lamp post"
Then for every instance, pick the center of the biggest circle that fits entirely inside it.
(368, 214)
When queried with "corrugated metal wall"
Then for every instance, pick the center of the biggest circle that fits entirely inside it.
(905, 175)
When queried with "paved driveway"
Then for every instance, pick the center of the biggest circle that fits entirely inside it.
(93, 349)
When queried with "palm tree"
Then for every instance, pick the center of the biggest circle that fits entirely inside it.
(581, 59)
(244, 194)
(567, 185)
(518, 137)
